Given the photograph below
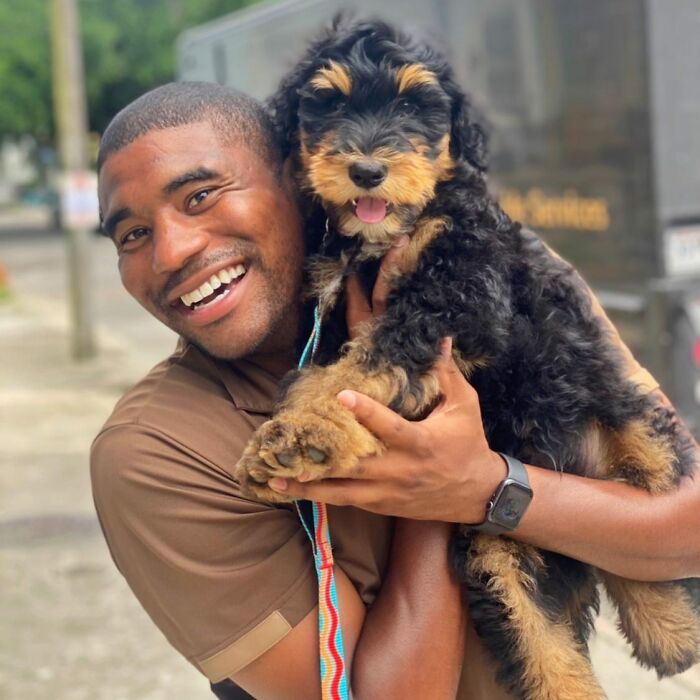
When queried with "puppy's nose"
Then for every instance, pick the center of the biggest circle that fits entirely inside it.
(367, 173)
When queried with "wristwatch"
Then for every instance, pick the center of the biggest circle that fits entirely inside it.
(508, 504)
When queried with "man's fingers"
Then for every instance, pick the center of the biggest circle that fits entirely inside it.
(387, 269)
(453, 385)
(358, 309)
(338, 492)
(389, 427)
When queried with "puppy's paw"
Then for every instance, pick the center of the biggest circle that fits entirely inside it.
(303, 445)
(252, 473)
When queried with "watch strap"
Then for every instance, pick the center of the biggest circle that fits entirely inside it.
(516, 470)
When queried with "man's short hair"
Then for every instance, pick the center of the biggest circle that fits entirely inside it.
(235, 116)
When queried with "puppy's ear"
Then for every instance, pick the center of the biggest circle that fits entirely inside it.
(283, 107)
(467, 138)
(284, 104)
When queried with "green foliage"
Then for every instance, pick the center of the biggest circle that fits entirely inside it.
(128, 48)
(25, 68)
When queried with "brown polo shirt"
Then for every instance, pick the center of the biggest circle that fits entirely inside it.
(223, 577)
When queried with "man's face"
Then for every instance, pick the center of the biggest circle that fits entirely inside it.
(209, 239)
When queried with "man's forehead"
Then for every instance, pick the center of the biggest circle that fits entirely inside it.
(157, 156)
(160, 149)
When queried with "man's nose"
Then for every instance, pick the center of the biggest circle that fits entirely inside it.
(176, 239)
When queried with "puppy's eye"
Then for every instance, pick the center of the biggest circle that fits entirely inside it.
(407, 106)
(334, 101)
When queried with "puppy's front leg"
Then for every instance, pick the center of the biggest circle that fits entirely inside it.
(312, 433)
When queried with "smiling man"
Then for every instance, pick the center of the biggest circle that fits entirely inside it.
(203, 230)
(205, 221)
(209, 239)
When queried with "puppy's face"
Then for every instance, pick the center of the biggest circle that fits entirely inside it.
(374, 142)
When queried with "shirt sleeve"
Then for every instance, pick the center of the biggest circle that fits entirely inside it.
(223, 577)
(635, 372)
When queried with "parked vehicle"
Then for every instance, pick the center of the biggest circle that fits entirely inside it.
(593, 110)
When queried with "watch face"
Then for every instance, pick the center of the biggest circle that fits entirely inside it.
(512, 504)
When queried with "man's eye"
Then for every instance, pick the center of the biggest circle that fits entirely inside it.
(134, 235)
(197, 198)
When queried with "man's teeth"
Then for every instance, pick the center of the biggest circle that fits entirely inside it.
(212, 284)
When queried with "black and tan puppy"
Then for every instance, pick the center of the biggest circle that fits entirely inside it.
(385, 146)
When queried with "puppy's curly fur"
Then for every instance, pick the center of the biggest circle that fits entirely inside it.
(384, 145)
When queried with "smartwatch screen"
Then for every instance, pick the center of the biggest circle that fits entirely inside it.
(511, 505)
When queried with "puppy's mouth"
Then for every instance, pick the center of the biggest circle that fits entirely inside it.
(371, 210)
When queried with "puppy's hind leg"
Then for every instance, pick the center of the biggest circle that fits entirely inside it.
(660, 620)
(537, 656)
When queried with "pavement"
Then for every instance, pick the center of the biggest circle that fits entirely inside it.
(69, 627)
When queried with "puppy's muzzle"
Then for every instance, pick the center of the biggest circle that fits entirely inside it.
(367, 173)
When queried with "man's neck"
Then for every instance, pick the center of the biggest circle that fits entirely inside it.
(276, 364)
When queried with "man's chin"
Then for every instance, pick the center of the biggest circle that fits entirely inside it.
(221, 349)
(237, 346)
(219, 339)
(269, 329)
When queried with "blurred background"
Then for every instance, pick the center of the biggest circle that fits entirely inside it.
(593, 108)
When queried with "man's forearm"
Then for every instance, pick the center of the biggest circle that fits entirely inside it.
(412, 641)
(615, 526)
(441, 468)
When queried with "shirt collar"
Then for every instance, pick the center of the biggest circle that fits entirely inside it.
(253, 388)
(252, 384)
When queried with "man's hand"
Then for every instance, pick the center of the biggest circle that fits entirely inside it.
(361, 310)
(440, 468)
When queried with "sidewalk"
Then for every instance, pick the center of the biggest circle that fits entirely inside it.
(69, 627)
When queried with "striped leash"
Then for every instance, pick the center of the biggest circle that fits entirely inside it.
(314, 518)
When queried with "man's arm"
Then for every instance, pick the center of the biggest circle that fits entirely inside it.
(617, 527)
(442, 468)
(409, 644)
(452, 473)
(215, 571)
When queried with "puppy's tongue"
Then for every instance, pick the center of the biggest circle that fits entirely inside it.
(370, 210)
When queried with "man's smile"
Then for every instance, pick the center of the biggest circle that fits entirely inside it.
(207, 285)
(215, 297)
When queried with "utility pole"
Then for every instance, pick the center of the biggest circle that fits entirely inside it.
(70, 110)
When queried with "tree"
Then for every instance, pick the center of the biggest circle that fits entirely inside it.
(25, 76)
(128, 48)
